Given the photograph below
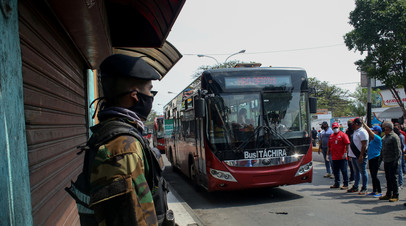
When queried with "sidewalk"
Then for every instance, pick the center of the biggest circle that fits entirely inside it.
(184, 215)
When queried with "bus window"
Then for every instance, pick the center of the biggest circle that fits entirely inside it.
(286, 111)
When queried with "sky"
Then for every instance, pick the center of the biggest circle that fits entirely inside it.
(288, 33)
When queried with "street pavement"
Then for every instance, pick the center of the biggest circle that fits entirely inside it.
(185, 216)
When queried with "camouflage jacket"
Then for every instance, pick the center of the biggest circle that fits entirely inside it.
(120, 194)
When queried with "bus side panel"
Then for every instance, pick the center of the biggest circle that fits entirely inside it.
(186, 145)
(170, 149)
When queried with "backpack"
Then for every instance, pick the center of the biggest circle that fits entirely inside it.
(102, 134)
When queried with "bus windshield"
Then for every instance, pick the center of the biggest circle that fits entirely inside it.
(254, 120)
(286, 113)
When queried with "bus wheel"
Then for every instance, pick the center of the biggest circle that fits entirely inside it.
(192, 173)
(170, 158)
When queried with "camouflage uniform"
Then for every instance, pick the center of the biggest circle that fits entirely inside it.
(120, 194)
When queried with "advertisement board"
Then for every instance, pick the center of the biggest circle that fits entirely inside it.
(168, 128)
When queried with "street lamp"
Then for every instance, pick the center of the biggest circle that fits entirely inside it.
(202, 55)
(242, 51)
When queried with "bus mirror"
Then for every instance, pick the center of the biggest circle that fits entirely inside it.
(313, 105)
(199, 108)
(204, 92)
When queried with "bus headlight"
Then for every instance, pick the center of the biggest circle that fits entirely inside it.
(222, 175)
(304, 169)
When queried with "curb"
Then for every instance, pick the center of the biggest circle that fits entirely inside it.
(184, 215)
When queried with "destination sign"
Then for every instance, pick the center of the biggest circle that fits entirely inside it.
(271, 153)
(257, 81)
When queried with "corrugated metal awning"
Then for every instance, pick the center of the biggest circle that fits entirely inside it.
(392, 113)
(162, 59)
(97, 26)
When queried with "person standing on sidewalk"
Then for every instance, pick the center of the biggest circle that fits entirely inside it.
(350, 132)
(338, 147)
(402, 164)
(398, 132)
(374, 157)
(359, 145)
(123, 188)
(314, 136)
(324, 138)
(390, 154)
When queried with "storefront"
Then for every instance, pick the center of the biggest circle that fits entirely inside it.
(48, 84)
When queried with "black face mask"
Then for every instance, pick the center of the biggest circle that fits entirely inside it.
(143, 106)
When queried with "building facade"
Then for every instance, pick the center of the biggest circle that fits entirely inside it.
(50, 51)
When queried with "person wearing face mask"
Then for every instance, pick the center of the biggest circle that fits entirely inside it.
(338, 148)
(324, 138)
(121, 191)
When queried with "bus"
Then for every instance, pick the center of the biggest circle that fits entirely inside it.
(146, 133)
(158, 134)
(240, 128)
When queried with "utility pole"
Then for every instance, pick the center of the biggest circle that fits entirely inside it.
(369, 104)
(366, 82)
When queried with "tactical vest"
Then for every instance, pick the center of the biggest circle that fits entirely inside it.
(102, 134)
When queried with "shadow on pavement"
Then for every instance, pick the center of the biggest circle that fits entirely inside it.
(199, 199)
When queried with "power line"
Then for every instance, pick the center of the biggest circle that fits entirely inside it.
(346, 83)
(292, 50)
(265, 52)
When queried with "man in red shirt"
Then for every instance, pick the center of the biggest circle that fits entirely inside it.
(338, 147)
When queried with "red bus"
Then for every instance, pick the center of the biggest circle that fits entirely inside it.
(158, 134)
(146, 133)
(239, 128)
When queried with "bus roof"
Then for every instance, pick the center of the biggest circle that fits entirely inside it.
(254, 69)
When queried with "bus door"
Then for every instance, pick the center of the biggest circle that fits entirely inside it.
(175, 136)
(201, 151)
(201, 166)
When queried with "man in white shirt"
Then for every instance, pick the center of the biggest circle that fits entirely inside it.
(358, 152)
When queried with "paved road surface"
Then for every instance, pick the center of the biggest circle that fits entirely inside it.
(305, 204)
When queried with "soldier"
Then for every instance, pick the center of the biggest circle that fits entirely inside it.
(120, 191)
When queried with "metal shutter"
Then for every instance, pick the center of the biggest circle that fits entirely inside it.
(55, 105)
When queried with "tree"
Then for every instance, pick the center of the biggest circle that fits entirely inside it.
(380, 31)
(330, 97)
(150, 120)
(361, 99)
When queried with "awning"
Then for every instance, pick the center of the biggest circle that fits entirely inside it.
(162, 59)
(391, 113)
(98, 26)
